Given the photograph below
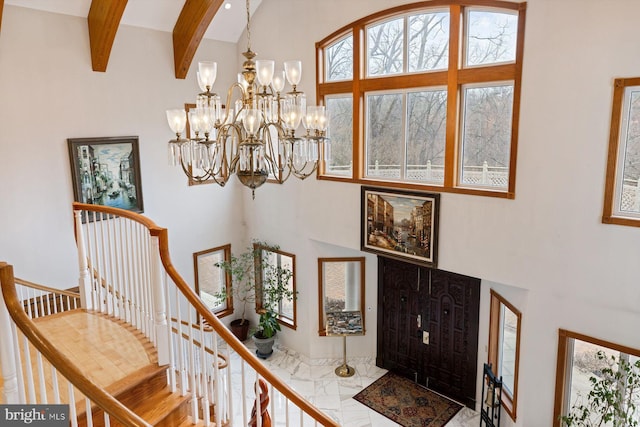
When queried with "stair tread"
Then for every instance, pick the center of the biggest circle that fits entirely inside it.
(189, 423)
(159, 406)
(141, 375)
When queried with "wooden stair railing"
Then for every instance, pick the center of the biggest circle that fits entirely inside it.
(127, 275)
(43, 300)
(111, 287)
(104, 400)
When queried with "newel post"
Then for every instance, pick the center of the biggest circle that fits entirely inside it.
(11, 392)
(84, 280)
(159, 304)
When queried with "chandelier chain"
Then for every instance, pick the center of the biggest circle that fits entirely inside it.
(248, 25)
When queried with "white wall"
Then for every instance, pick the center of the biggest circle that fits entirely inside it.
(49, 93)
(547, 248)
(571, 270)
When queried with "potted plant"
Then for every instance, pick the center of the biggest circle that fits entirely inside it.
(273, 288)
(242, 269)
(614, 395)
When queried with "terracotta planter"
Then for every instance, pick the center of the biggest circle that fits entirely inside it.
(239, 329)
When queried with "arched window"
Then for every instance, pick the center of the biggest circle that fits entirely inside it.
(425, 96)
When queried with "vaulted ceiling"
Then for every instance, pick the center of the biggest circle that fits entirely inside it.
(190, 26)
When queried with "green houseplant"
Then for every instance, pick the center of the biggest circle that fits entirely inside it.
(242, 269)
(252, 274)
(273, 288)
(614, 398)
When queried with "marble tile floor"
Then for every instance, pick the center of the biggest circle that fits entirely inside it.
(317, 382)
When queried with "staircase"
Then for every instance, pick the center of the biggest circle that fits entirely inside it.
(135, 346)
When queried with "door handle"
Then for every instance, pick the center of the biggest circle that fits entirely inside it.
(419, 321)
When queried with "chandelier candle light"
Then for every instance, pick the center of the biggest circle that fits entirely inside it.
(253, 135)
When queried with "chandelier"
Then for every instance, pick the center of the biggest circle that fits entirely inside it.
(253, 135)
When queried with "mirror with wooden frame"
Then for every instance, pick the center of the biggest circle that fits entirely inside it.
(211, 280)
(340, 288)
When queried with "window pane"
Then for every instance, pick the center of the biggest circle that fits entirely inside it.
(273, 263)
(429, 41)
(385, 47)
(339, 60)
(507, 357)
(491, 37)
(629, 193)
(340, 148)
(211, 279)
(486, 136)
(286, 307)
(384, 135)
(588, 367)
(426, 132)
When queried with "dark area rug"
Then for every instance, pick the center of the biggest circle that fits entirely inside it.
(407, 403)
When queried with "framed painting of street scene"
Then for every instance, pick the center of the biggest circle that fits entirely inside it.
(106, 171)
(400, 224)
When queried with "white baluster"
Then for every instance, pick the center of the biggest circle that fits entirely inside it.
(18, 362)
(257, 402)
(31, 389)
(160, 314)
(229, 388)
(204, 377)
(73, 417)
(216, 379)
(41, 382)
(172, 349)
(192, 363)
(180, 348)
(110, 274)
(103, 271)
(244, 393)
(84, 281)
(286, 411)
(7, 350)
(87, 405)
(130, 268)
(272, 400)
(54, 385)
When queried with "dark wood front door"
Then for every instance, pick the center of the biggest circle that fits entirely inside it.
(428, 327)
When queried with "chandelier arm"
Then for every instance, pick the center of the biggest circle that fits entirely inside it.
(271, 156)
(285, 171)
(190, 175)
(229, 98)
(302, 175)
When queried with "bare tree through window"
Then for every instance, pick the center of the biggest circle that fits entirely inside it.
(385, 47)
(339, 60)
(415, 111)
(428, 41)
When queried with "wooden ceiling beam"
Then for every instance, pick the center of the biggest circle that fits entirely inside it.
(104, 19)
(194, 19)
(1, 7)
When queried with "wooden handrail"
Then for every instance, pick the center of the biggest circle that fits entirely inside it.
(141, 219)
(65, 366)
(234, 342)
(46, 288)
(207, 315)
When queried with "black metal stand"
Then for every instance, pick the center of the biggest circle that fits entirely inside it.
(491, 398)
